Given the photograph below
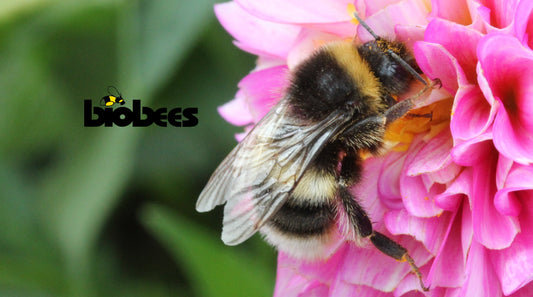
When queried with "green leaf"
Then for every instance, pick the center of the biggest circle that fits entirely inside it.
(155, 36)
(215, 270)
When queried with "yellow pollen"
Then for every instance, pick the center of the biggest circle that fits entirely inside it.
(351, 9)
(430, 120)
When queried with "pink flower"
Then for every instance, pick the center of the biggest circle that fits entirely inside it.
(457, 190)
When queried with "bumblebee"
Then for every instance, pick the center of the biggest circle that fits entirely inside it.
(112, 99)
(289, 178)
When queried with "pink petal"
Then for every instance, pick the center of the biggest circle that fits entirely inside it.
(236, 111)
(366, 191)
(321, 270)
(298, 12)
(467, 229)
(430, 231)
(433, 156)
(408, 12)
(443, 176)
(344, 29)
(307, 42)
(481, 279)
(342, 288)
(257, 36)
(504, 166)
(523, 23)
(314, 289)
(473, 151)
(479, 14)
(436, 62)
(417, 198)
(471, 115)
(514, 265)
(290, 284)
(389, 180)
(501, 12)
(518, 180)
(370, 7)
(447, 269)
(456, 11)
(526, 291)
(451, 198)
(508, 68)
(460, 41)
(263, 89)
(369, 267)
(491, 229)
(409, 34)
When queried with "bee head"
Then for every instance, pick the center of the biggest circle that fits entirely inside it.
(394, 77)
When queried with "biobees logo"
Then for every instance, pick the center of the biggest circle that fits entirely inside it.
(138, 116)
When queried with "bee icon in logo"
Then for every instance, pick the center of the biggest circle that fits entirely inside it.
(112, 99)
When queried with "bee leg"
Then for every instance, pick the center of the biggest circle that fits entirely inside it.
(362, 225)
(428, 115)
(390, 248)
(399, 109)
(356, 214)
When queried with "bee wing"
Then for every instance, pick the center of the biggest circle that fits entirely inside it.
(258, 175)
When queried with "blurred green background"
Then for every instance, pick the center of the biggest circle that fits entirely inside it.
(110, 211)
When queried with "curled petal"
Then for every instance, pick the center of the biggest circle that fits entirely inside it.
(471, 115)
(460, 41)
(517, 181)
(473, 151)
(452, 197)
(501, 13)
(436, 62)
(508, 69)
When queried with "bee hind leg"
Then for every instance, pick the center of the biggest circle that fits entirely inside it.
(392, 249)
(363, 227)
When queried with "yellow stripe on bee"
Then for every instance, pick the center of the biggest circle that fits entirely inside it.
(348, 57)
(315, 187)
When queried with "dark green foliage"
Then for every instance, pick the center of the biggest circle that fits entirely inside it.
(110, 211)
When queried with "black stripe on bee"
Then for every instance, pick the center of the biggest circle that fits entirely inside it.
(304, 219)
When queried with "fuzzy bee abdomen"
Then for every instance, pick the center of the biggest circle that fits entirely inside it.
(303, 220)
(304, 225)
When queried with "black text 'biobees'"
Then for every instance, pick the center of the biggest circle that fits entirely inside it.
(138, 116)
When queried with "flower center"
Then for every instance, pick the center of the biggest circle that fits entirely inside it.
(429, 119)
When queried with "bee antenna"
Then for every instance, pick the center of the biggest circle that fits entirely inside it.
(365, 25)
(393, 54)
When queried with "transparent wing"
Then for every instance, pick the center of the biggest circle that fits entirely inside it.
(258, 175)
